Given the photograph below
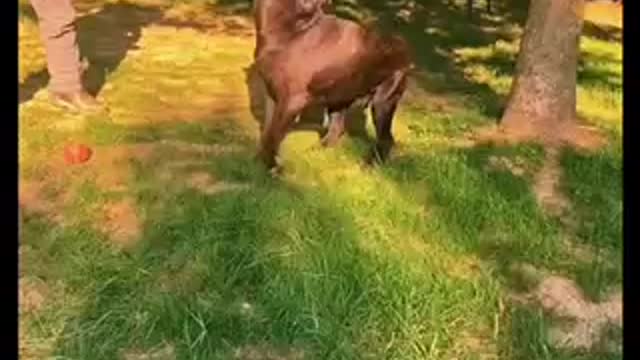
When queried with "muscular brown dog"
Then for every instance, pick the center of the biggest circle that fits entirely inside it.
(313, 58)
(292, 20)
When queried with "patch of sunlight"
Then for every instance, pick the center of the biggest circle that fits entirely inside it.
(31, 52)
(181, 75)
(601, 106)
(354, 10)
(604, 13)
(490, 65)
(417, 253)
(144, 3)
(600, 94)
(500, 48)
(481, 74)
(201, 13)
(435, 31)
(601, 49)
(389, 224)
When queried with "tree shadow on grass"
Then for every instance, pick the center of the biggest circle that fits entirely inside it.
(593, 183)
(602, 31)
(492, 213)
(489, 212)
(435, 30)
(31, 85)
(38, 80)
(268, 262)
(105, 37)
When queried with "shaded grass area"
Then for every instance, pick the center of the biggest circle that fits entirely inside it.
(333, 261)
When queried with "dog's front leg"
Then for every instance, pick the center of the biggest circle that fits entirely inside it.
(269, 108)
(273, 134)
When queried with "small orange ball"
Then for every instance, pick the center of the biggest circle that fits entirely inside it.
(77, 154)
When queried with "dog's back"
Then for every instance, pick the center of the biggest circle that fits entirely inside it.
(336, 61)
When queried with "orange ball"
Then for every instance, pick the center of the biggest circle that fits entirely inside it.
(77, 154)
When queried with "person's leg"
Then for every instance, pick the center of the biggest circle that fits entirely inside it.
(57, 30)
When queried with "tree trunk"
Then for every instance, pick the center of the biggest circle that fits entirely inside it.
(543, 93)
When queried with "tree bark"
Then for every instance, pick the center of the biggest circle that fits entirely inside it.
(543, 93)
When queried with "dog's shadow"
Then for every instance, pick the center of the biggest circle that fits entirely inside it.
(311, 119)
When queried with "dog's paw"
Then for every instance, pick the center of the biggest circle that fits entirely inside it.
(330, 140)
(271, 164)
(276, 171)
(373, 158)
(376, 157)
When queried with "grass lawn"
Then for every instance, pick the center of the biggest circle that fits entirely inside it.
(172, 242)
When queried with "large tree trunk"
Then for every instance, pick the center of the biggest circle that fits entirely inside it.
(543, 93)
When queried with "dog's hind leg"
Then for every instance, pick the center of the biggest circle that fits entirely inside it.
(336, 127)
(268, 111)
(383, 108)
(326, 118)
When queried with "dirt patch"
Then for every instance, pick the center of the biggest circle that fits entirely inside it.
(34, 200)
(161, 352)
(121, 222)
(32, 294)
(547, 182)
(579, 251)
(37, 339)
(574, 134)
(49, 194)
(584, 322)
(110, 166)
(203, 149)
(480, 343)
(33, 348)
(563, 298)
(267, 352)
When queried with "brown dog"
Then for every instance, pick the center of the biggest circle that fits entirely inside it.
(312, 58)
(269, 35)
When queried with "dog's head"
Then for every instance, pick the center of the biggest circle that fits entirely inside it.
(311, 7)
(278, 20)
(287, 11)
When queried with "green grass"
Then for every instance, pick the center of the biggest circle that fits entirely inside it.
(411, 260)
